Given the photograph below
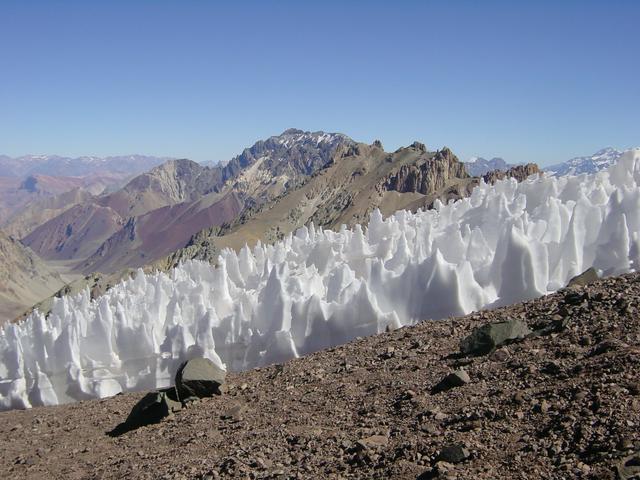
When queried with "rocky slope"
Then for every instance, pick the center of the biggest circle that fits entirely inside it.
(361, 179)
(562, 403)
(75, 233)
(39, 211)
(173, 182)
(210, 197)
(24, 278)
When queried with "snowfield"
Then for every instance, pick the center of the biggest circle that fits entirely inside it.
(315, 289)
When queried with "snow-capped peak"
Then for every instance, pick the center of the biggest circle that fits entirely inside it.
(588, 164)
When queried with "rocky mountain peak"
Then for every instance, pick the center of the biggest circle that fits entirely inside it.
(429, 173)
(291, 131)
(421, 147)
(287, 157)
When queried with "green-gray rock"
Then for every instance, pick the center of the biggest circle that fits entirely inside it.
(485, 339)
(199, 377)
(588, 276)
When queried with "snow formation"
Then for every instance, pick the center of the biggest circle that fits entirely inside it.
(315, 289)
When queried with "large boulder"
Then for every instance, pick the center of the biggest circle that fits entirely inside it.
(487, 338)
(198, 378)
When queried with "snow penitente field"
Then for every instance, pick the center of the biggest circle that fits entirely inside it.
(316, 289)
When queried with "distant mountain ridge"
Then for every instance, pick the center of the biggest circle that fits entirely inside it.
(55, 165)
(600, 160)
(158, 211)
(27, 182)
(478, 166)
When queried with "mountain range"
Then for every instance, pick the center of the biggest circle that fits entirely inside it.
(180, 210)
(587, 164)
(478, 166)
(53, 165)
(29, 184)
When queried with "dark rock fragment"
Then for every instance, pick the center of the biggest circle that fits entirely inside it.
(487, 338)
(453, 380)
(454, 453)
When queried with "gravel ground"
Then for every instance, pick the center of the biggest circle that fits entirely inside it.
(561, 404)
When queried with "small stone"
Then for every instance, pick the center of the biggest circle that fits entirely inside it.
(584, 468)
(453, 380)
(544, 406)
(454, 453)
(373, 442)
(430, 429)
(235, 413)
(580, 396)
(500, 355)
(625, 444)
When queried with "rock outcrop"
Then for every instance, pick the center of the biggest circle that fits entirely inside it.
(427, 175)
(519, 172)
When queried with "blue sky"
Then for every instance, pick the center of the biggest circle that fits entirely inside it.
(528, 81)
